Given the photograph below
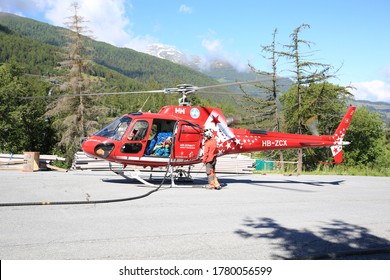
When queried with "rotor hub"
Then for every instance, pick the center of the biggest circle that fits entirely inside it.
(185, 89)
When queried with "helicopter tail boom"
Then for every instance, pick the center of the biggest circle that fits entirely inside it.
(246, 140)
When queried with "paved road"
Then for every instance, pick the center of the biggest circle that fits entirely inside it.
(252, 217)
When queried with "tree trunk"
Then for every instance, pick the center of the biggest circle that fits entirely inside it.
(299, 165)
(282, 168)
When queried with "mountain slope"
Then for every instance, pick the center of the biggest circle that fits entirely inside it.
(220, 70)
(382, 108)
(128, 62)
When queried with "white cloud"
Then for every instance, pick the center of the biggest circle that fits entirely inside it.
(375, 90)
(215, 51)
(212, 45)
(141, 43)
(106, 19)
(184, 9)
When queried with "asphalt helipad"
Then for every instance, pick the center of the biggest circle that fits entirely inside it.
(253, 217)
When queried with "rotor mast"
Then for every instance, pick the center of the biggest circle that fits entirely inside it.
(185, 90)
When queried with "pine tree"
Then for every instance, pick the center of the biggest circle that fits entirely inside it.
(305, 73)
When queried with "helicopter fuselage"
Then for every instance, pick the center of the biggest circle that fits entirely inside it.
(174, 136)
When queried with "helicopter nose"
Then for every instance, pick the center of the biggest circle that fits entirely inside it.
(97, 148)
(88, 147)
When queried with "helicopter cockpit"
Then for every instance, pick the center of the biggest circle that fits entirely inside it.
(116, 129)
(137, 137)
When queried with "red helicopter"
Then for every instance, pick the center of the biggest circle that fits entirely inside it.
(173, 136)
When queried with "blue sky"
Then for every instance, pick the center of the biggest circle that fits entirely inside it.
(353, 35)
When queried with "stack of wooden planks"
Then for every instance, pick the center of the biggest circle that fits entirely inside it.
(16, 161)
(226, 164)
(83, 162)
(11, 162)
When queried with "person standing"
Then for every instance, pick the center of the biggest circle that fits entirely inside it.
(210, 159)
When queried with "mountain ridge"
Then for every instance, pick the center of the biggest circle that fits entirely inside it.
(123, 60)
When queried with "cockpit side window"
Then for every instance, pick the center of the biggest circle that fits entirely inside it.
(116, 129)
(136, 138)
(139, 131)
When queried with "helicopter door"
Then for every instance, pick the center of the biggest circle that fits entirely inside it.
(135, 142)
(188, 142)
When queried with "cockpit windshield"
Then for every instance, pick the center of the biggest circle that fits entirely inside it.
(116, 129)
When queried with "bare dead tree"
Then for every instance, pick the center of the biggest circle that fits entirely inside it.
(75, 116)
(267, 108)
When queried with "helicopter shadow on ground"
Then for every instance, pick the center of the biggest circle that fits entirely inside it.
(225, 180)
(276, 184)
(166, 183)
(334, 240)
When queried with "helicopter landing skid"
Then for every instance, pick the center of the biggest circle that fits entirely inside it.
(174, 177)
(178, 175)
(133, 176)
(136, 175)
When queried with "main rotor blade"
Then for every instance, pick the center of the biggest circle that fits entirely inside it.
(236, 83)
(98, 94)
(166, 90)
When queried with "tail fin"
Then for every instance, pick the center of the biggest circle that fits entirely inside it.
(338, 136)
